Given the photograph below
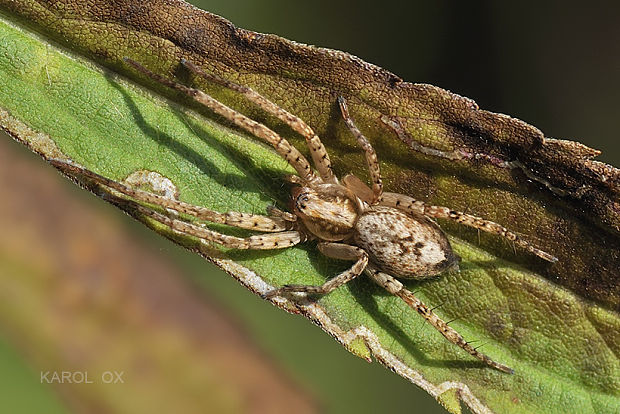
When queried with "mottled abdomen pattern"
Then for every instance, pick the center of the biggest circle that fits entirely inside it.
(403, 245)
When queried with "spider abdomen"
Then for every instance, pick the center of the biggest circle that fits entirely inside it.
(407, 246)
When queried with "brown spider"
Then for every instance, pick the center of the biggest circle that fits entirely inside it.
(384, 233)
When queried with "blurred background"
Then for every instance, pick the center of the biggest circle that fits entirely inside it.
(85, 289)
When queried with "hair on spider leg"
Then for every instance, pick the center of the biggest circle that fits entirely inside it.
(437, 306)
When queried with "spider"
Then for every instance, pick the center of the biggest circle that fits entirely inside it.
(387, 235)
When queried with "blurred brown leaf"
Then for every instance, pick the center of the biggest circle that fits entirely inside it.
(80, 294)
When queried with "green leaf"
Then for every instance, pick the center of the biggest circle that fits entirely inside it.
(557, 326)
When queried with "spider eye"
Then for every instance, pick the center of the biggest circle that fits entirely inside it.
(301, 202)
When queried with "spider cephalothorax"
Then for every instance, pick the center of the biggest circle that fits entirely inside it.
(328, 211)
(387, 235)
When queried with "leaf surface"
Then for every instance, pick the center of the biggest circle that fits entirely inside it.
(539, 319)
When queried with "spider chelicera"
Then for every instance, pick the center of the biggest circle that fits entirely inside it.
(387, 235)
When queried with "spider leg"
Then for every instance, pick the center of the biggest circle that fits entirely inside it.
(412, 205)
(271, 241)
(371, 155)
(317, 150)
(336, 251)
(284, 215)
(281, 145)
(393, 286)
(235, 219)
